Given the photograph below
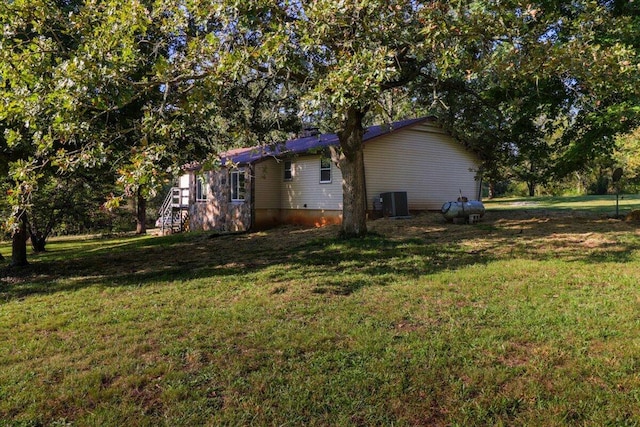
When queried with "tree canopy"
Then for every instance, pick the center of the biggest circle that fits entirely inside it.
(147, 85)
(540, 91)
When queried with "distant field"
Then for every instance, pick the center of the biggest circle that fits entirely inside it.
(595, 204)
(530, 317)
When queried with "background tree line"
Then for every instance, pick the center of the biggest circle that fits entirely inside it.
(103, 100)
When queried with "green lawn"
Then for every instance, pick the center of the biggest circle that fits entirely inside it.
(531, 317)
(592, 204)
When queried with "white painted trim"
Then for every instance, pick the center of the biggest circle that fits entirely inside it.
(330, 169)
(237, 172)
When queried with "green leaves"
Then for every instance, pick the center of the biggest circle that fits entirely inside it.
(343, 54)
(12, 137)
(145, 85)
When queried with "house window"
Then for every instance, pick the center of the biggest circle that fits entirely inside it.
(288, 174)
(325, 169)
(237, 185)
(201, 188)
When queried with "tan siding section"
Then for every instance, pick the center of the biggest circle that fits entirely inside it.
(305, 187)
(423, 161)
(268, 180)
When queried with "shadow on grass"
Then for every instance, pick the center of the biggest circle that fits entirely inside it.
(408, 249)
(340, 266)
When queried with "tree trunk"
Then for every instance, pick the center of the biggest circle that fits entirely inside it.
(532, 188)
(38, 242)
(492, 189)
(141, 214)
(19, 243)
(351, 164)
(354, 207)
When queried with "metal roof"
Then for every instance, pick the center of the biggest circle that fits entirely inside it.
(309, 143)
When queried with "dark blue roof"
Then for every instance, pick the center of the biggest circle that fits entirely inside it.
(309, 143)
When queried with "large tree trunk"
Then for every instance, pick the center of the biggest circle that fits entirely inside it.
(38, 241)
(141, 213)
(37, 237)
(492, 189)
(19, 243)
(351, 163)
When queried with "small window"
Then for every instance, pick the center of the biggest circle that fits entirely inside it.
(325, 169)
(288, 174)
(201, 188)
(237, 185)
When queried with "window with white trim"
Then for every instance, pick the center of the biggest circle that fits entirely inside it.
(202, 182)
(237, 185)
(325, 169)
(288, 170)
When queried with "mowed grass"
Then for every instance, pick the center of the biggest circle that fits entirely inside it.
(604, 205)
(527, 318)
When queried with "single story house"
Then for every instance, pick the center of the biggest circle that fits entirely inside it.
(298, 183)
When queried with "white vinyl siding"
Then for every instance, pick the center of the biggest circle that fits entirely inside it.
(423, 161)
(304, 188)
(272, 192)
